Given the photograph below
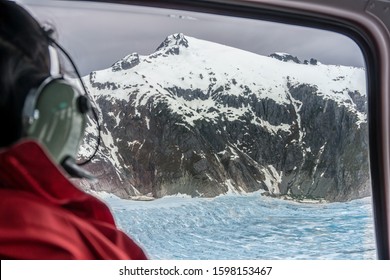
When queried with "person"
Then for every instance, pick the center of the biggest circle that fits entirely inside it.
(43, 215)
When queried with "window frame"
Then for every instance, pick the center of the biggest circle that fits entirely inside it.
(368, 25)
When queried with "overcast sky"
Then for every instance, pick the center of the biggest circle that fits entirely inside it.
(97, 35)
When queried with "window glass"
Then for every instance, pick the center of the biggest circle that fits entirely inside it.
(224, 137)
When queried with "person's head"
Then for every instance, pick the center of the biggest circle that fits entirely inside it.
(24, 64)
(33, 104)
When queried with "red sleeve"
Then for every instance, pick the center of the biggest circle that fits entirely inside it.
(33, 229)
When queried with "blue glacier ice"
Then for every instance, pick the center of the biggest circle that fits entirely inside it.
(247, 226)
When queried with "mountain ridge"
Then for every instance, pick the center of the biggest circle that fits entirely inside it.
(185, 119)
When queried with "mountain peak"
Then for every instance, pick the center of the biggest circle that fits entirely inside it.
(173, 43)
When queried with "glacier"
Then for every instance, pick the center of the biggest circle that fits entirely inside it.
(246, 227)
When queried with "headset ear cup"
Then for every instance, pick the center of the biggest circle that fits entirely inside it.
(29, 112)
(60, 125)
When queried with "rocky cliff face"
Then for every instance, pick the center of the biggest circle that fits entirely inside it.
(204, 119)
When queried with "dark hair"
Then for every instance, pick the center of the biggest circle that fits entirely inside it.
(24, 64)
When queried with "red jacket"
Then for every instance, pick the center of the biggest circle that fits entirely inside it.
(44, 216)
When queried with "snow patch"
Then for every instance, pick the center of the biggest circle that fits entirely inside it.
(273, 178)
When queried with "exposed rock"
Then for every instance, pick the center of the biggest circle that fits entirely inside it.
(286, 57)
(126, 63)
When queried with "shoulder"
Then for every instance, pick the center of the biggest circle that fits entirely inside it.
(32, 229)
(51, 232)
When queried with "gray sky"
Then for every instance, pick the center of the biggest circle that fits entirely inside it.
(97, 35)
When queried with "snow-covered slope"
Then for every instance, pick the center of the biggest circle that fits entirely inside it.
(205, 66)
(201, 118)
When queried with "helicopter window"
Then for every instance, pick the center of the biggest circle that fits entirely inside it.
(224, 137)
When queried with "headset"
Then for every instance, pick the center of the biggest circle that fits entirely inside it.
(55, 114)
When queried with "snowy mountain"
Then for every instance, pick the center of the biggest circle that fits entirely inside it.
(204, 119)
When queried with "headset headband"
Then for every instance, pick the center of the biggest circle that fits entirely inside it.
(54, 61)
